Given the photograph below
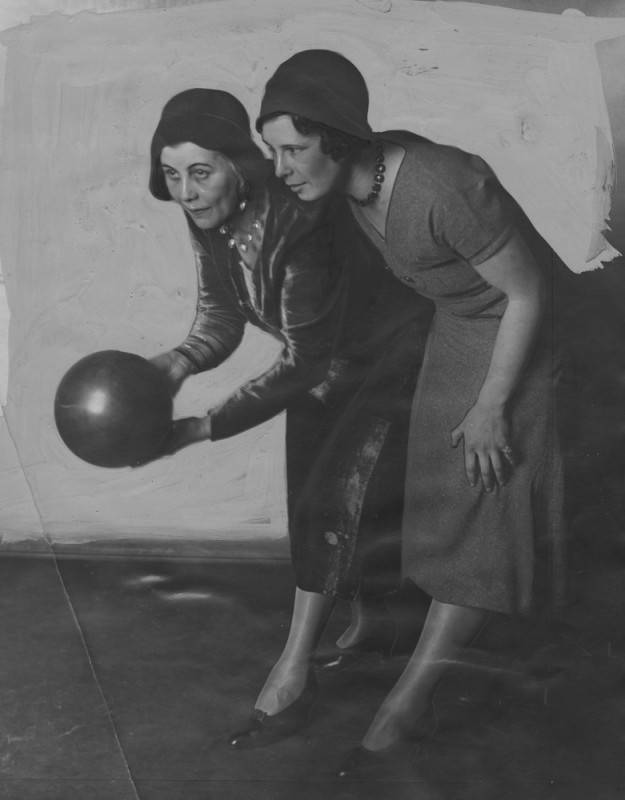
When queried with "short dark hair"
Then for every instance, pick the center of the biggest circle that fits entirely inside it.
(334, 143)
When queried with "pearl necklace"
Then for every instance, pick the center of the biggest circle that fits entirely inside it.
(378, 176)
(243, 241)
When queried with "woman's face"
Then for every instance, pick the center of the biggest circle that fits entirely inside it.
(202, 181)
(298, 160)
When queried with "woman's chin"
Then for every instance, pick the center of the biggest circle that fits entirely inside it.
(310, 193)
(306, 193)
(205, 222)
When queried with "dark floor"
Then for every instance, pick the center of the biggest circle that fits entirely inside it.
(122, 677)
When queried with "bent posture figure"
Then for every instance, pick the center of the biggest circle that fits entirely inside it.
(352, 341)
(484, 468)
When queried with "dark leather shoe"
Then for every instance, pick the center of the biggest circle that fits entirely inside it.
(357, 762)
(381, 645)
(390, 762)
(361, 764)
(347, 658)
(264, 729)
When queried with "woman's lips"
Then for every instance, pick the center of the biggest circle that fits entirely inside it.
(195, 211)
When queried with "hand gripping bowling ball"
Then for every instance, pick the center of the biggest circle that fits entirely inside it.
(113, 409)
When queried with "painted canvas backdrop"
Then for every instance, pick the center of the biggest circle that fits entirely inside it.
(92, 261)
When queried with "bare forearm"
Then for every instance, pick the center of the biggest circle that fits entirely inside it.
(485, 428)
(513, 345)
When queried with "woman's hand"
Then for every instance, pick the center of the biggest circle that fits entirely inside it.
(487, 451)
(174, 366)
(182, 433)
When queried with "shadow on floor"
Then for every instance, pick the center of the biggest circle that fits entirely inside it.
(122, 678)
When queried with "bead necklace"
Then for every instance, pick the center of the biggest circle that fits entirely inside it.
(378, 176)
(243, 241)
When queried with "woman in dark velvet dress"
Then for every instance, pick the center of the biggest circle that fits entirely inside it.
(484, 475)
(352, 340)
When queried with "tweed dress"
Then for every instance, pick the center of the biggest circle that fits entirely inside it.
(462, 545)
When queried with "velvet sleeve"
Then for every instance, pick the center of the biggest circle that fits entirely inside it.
(311, 294)
(219, 323)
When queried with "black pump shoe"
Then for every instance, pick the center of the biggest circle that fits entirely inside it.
(264, 729)
(380, 646)
(349, 657)
(390, 763)
(360, 763)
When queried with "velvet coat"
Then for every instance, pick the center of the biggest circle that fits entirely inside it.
(352, 341)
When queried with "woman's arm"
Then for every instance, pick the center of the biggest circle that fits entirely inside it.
(312, 292)
(484, 429)
(217, 328)
(175, 366)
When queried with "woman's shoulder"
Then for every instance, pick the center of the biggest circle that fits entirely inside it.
(441, 165)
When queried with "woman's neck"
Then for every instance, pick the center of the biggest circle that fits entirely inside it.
(359, 178)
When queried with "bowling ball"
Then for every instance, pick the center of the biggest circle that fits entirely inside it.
(113, 409)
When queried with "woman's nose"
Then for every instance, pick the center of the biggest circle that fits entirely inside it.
(280, 166)
(187, 190)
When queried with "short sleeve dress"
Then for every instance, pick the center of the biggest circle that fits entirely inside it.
(448, 214)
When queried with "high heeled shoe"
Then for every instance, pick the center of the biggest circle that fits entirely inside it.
(394, 633)
(349, 657)
(379, 645)
(360, 763)
(264, 729)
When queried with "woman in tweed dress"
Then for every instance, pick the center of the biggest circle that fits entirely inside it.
(484, 476)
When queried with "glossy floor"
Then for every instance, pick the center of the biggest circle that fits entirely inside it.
(121, 678)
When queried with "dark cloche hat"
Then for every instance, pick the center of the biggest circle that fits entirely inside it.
(210, 118)
(322, 86)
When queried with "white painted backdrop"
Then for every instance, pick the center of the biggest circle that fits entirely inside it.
(91, 261)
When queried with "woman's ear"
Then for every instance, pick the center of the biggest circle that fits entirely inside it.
(243, 188)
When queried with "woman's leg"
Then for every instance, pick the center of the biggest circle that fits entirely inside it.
(379, 548)
(287, 679)
(369, 622)
(448, 629)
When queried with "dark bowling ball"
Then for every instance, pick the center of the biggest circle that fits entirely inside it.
(113, 409)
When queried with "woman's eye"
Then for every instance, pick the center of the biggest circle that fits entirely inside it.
(171, 176)
(201, 173)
